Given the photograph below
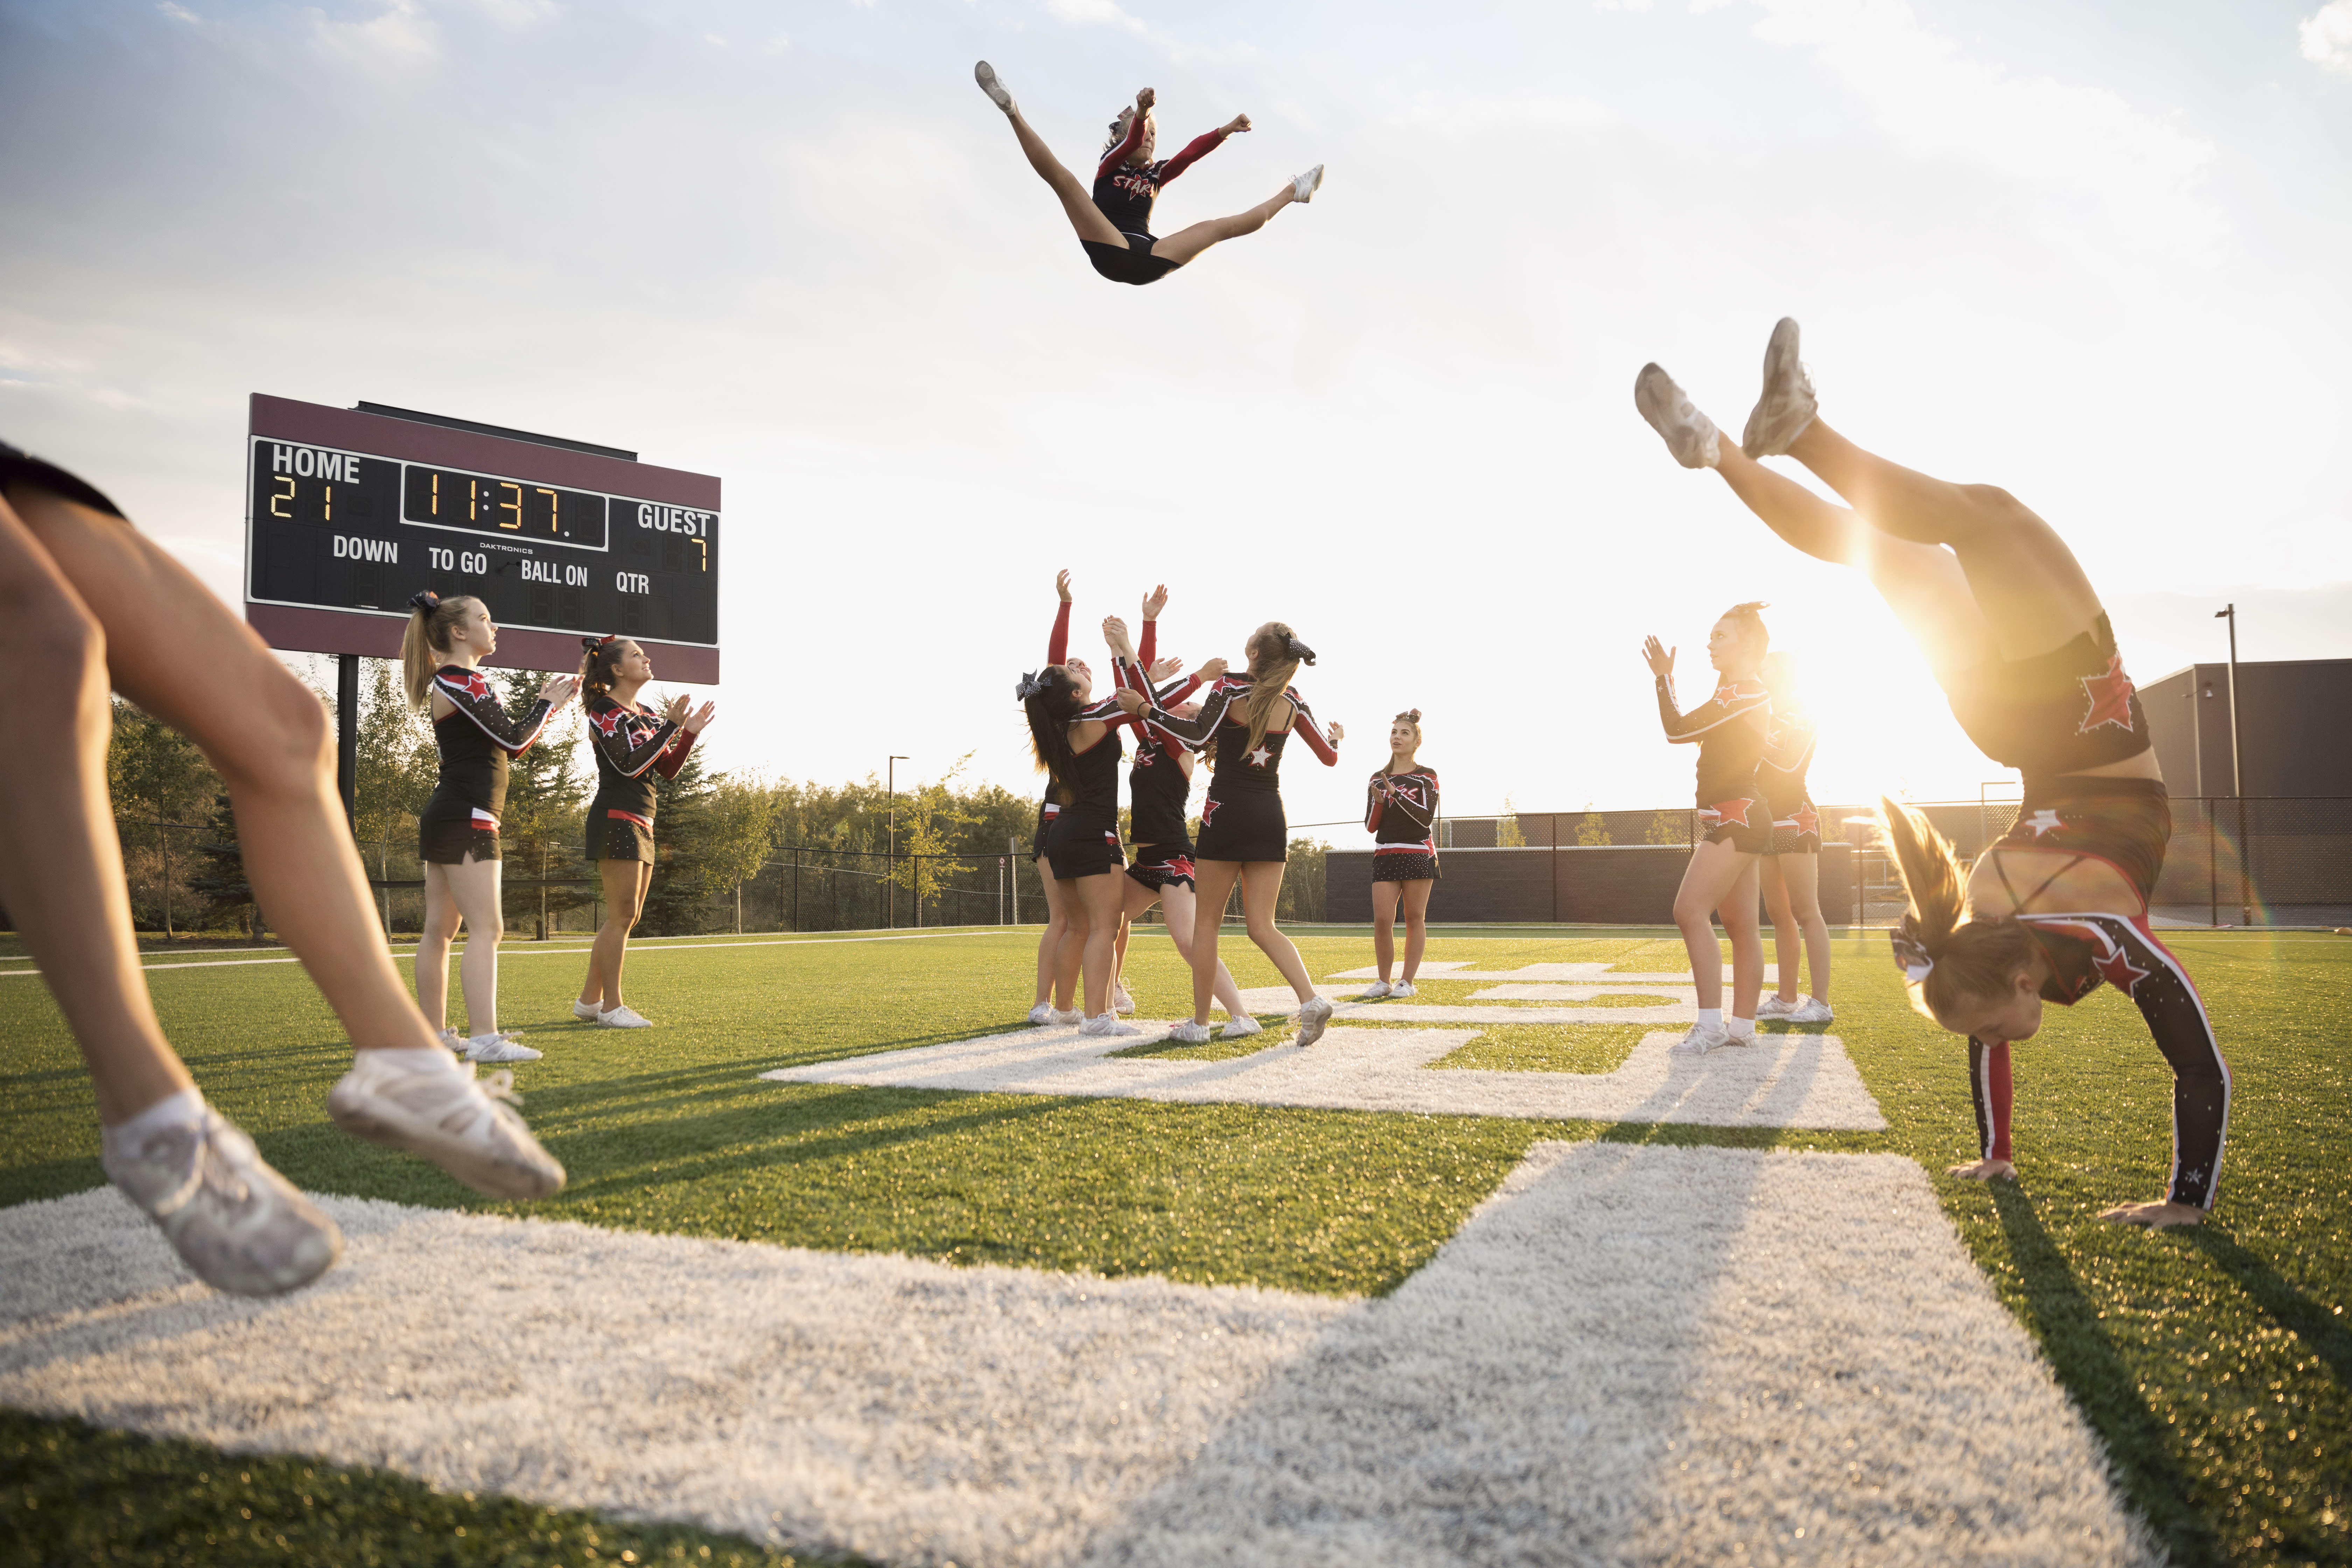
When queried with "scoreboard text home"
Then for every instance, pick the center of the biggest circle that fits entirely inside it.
(350, 512)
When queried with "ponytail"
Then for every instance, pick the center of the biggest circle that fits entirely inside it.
(1948, 959)
(425, 644)
(1275, 654)
(600, 666)
(1049, 698)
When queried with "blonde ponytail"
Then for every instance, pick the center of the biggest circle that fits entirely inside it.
(1275, 654)
(1969, 960)
(425, 644)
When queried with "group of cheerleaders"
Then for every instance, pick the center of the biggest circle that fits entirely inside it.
(2015, 634)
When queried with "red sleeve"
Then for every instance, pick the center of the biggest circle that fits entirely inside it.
(1302, 723)
(671, 761)
(1143, 656)
(1374, 803)
(1118, 155)
(1057, 647)
(1194, 151)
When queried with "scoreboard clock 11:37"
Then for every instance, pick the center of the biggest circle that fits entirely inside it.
(350, 512)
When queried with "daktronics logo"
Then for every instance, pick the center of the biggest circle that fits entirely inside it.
(676, 520)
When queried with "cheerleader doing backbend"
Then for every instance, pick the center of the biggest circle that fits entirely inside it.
(457, 832)
(2025, 653)
(1114, 219)
(1728, 729)
(630, 741)
(87, 603)
(1158, 787)
(1400, 807)
(1792, 879)
(1243, 724)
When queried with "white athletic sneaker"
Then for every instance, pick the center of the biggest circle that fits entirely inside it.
(624, 1017)
(1120, 1002)
(1043, 1013)
(454, 1040)
(1786, 406)
(467, 1127)
(1770, 1006)
(1314, 1014)
(1070, 1015)
(586, 1012)
(985, 74)
(1700, 1040)
(1307, 184)
(1690, 435)
(1106, 1024)
(1376, 990)
(500, 1047)
(240, 1224)
(1188, 1033)
(1812, 1010)
(1402, 988)
(1243, 1027)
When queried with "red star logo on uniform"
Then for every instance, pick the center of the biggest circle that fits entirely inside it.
(2109, 698)
(1724, 693)
(473, 685)
(606, 722)
(1734, 812)
(1208, 811)
(1260, 757)
(2043, 821)
(1809, 821)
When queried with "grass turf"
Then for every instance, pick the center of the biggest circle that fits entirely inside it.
(2216, 1362)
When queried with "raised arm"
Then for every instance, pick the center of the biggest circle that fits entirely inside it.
(1731, 700)
(1057, 645)
(469, 693)
(1195, 732)
(1126, 146)
(1326, 746)
(1195, 150)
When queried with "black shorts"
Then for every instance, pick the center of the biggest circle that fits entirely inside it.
(1247, 825)
(449, 832)
(2125, 822)
(1134, 263)
(1745, 825)
(1085, 843)
(1159, 870)
(616, 833)
(1797, 832)
(1405, 863)
(1046, 812)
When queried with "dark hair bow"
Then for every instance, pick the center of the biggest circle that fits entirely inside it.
(427, 601)
(1911, 954)
(1029, 684)
(1299, 650)
(592, 643)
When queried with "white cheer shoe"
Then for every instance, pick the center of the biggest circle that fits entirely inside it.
(1107, 1024)
(1120, 1002)
(1303, 187)
(1314, 1017)
(624, 1017)
(1700, 1040)
(1773, 1006)
(1402, 988)
(1812, 1010)
(1690, 435)
(1243, 1027)
(1374, 991)
(1786, 406)
(998, 94)
(1043, 1013)
(467, 1127)
(240, 1226)
(586, 1012)
(498, 1047)
(1189, 1032)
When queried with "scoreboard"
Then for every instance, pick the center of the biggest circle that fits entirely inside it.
(349, 512)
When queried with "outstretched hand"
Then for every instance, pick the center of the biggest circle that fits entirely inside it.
(2156, 1216)
(1238, 124)
(1128, 698)
(1165, 668)
(1145, 99)
(1214, 669)
(1114, 632)
(1660, 659)
(1062, 584)
(1154, 601)
(1338, 733)
(1983, 1170)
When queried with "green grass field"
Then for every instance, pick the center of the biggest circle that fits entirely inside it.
(2215, 1363)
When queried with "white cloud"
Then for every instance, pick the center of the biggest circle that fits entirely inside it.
(401, 33)
(1428, 112)
(181, 13)
(1092, 11)
(2327, 34)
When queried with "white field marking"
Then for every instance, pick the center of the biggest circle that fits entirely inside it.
(1783, 1080)
(533, 950)
(1629, 1354)
(1572, 973)
(1687, 996)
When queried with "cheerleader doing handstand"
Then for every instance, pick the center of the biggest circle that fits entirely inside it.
(2025, 653)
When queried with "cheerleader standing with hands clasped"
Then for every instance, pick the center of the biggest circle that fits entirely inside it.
(630, 741)
(1399, 806)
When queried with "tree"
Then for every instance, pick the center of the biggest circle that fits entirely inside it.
(1302, 881)
(740, 820)
(1508, 834)
(398, 764)
(1670, 827)
(542, 831)
(930, 819)
(219, 879)
(156, 776)
(1593, 828)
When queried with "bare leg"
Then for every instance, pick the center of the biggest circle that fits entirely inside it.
(1187, 243)
(1746, 938)
(1118, 942)
(1261, 893)
(1049, 944)
(1214, 881)
(441, 922)
(1416, 925)
(1800, 878)
(1711, 880)
(1177, 902)
(175, 649)
(474, 887)
(1384, 908)
(1100, 897)
(2026, 583)
(1077, 201)
(63, 882)
(625, 882)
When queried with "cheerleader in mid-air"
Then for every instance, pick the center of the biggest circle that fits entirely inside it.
(1243, 724)
(1729, 728)
(457, 832)
(1400, 809)
(1114, 219)
(1792, 868)
(630, 741)
(2026, 658)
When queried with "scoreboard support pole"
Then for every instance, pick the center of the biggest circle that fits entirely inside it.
(347, 735)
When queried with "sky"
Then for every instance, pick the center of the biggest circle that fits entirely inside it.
(2092, 252)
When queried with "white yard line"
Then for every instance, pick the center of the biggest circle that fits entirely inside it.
(1629, 1355)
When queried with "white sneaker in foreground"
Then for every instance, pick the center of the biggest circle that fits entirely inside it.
(454, 1040)
(1402, 988)
(1188, 1033)
(500, 1049)
(468, 1128)
(586, 1012)
(1243, 1027)
(1043, 1013)
(240, 1224)
(985, 74)
(1303, 187)
(624, 1017)
(1314, 1013)
(1070, 1015)
(1785, 406)
(1812, 1010)
(1120, 1002)
(1095, 1028)
(1772, 1006)
(1690, 435)
(1700, 1040)
(1376, 990)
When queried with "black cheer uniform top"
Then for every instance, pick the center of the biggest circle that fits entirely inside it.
(1400, 819)
(630, 743)
(1728, 729)
(2058, 712)
(1158, 787)
(1240, 766)
(475, 743)
(1125, 195)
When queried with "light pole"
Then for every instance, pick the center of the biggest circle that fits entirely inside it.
(891, 770)
(2238, 771)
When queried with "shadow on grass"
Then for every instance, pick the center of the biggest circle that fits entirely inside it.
(2066, 1322)
(2316, 1325)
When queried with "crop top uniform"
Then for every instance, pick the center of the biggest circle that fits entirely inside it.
(1402, 821)
(460, 822)
(1788, 755)
(630, 743)
(1728, 729)
(1243, 817)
